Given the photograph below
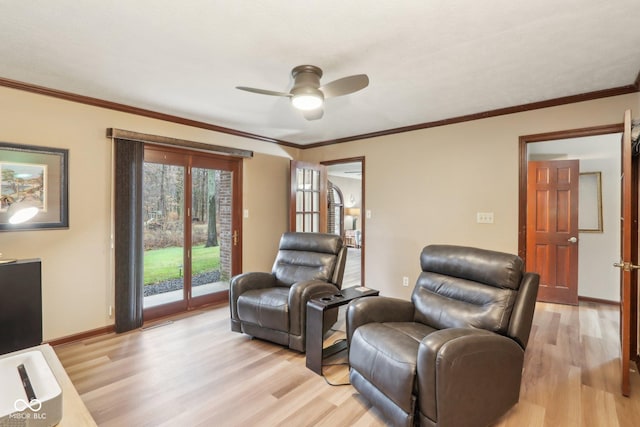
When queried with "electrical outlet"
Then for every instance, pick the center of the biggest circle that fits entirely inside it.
(246, 213)
(368, 213)
(405, 281)
(484, 217)
(110, 311)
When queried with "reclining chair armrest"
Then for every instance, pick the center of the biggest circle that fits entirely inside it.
(299, 294)
(467, 374)
(242, 283)
(523, 309)
(377, 309)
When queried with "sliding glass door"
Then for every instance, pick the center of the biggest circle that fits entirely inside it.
(191, 229)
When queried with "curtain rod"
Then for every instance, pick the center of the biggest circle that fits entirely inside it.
(165, 140)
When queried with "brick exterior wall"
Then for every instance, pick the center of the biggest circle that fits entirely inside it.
(225, 233)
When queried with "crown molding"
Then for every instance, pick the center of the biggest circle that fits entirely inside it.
(622, 90)
(96, 102)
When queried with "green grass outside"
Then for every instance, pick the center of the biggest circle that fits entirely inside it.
(164, 264)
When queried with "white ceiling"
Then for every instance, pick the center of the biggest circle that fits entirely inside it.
(351, 170)
(427, 60)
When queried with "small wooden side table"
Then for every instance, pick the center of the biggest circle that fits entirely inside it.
(315, 323)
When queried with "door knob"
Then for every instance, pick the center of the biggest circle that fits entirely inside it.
(626, 266)
(572, 240)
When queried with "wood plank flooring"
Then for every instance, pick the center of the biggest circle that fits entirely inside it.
(195, 372)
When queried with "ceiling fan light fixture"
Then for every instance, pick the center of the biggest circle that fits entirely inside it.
(307, 98)
(306, 102)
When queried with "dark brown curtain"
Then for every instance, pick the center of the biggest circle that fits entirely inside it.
(129, 270)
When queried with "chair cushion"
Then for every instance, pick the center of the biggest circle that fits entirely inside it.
(498, 269)
(462, 287)
(267, 307)
(296, 266)
(311, 242)
(449, 302)
(306, 256)
(385, 355)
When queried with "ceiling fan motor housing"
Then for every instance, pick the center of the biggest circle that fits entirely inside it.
(306, 85)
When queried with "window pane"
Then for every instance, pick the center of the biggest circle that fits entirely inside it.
(163, 207)
(307, 201)
(307, 179)
(299, 223)
(210, 230)
(299, 201)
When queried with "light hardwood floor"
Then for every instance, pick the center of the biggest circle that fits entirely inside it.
(195, 372)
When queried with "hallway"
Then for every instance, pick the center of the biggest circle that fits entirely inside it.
(352, 269)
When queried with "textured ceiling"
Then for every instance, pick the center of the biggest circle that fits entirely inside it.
(427, 60)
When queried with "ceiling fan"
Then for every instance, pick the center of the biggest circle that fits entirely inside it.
(308, 96)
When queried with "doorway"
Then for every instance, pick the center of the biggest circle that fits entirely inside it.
(329, 197)
(598, 150)
(191, 229)
(626, 257)
(345, 213)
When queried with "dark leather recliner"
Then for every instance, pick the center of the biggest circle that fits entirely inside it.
(273, 306)
(453, 355)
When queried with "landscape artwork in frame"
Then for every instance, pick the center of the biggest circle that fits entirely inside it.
(34, 176)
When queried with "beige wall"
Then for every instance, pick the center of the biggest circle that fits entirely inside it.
(425, 186)
(266, 196)
(422, 187)
(76, 263)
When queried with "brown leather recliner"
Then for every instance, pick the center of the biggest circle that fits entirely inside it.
(273, 306)
(453, 355)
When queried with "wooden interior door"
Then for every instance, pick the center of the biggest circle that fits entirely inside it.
(552, 228)
(628, 253)
(308, 197)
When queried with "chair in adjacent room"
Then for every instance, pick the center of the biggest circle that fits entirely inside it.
(272, 306)
(453, 355)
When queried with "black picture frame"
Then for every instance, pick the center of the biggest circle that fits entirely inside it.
(39, 175)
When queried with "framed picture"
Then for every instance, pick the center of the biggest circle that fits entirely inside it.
(34, 176)
(590, 203)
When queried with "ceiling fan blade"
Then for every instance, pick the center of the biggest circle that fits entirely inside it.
(313, 114)
(263, 91)
(345, 85)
